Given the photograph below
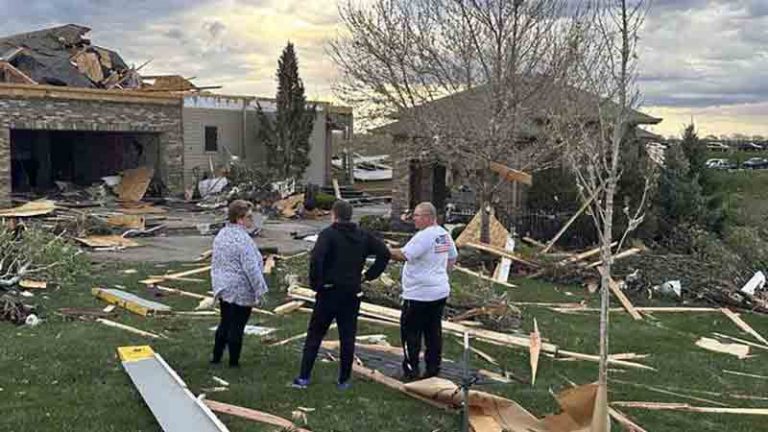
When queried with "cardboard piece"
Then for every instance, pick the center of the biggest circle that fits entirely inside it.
(535, 351)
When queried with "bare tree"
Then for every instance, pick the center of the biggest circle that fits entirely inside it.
(597, 124)
(469, 80)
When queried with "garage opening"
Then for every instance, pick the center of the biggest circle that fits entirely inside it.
(40, 158)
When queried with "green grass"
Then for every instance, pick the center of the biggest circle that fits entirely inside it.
(64, 375)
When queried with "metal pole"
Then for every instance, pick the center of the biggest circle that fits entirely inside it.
(465, 385)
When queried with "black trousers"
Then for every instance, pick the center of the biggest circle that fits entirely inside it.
(343, 306)
(230, 331)
(422, 320)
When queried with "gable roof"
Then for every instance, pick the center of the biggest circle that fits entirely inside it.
(472, 106)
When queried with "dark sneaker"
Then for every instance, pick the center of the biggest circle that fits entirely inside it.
(300, 383)
(346, 385)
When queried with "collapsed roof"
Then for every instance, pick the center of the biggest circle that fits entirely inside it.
(63, 56)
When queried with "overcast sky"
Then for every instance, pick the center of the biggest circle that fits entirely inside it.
(700, 59)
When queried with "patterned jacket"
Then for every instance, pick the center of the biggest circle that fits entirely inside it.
(236, 267)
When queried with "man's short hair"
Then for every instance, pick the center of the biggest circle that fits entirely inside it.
(428, 208)
(342, 210)
(238, 209)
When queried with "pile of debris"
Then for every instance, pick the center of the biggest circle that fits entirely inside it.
(63, 56)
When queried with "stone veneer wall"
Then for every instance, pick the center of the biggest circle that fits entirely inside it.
(41, 113)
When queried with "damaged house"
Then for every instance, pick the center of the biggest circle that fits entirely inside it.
(420, 174)
(73, 112)
(67, 114)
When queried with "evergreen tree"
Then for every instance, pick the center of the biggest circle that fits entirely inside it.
(694, 151)
(294, 120)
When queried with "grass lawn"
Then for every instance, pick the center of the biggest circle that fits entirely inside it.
(64, 375)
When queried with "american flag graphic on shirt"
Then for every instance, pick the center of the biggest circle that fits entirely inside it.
(442, 243)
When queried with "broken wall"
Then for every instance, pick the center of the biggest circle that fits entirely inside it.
(50, 108)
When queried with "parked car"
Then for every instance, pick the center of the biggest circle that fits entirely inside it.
(755, 163)
(722, 164)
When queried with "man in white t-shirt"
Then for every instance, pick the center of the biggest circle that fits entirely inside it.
(429, 257)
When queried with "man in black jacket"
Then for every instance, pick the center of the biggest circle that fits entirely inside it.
(336, 275)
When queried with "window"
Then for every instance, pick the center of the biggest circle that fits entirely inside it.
(211, 139)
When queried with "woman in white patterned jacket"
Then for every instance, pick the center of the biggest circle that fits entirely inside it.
(238, 281)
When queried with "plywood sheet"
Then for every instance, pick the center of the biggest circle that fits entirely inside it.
(127, 221)
(33, 208)
(134, 184)
(498, 234)
(108, 241)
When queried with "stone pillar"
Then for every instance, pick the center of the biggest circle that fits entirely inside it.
(400, 176)
(5, 166)
(172, 160)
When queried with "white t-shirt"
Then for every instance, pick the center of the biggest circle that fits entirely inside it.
(425, 276)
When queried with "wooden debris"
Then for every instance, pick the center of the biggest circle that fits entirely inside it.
(269, 264)
(134, 330)
(140, 208)
(500, 252)
(738, 350)
(616, 290)
(534, 242)
(482, 276)
(481, 354)
(32, 208)
(394, 384)
(747, 375)
(128, 221)
(498, 234)
(625, 421)
(745, 342)
(535, 350)
(669, 392)
(288, 307)
(110, 241)
(163, 278)
(130, 301)
(620, 255)
(33, 284)
(511, 174)
(134, 184)
(570, 221)
(202, 297)
(743, 325)
(489, 336)
(297, 337)
(251, 414)
(689, 408)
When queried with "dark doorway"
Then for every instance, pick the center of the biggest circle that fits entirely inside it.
(428, 183)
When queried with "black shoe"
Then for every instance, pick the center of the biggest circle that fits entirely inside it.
(409, 376)
(430, 374)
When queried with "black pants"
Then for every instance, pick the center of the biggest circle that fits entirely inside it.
(343, 306)
(230, 331)
(422, 319)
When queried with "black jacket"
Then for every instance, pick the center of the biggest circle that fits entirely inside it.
(339, 256)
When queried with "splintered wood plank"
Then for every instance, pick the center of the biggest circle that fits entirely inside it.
(743, 324)
(535, 351)
(33, 208)
(689, 408)
(614, 287)
(252, 414)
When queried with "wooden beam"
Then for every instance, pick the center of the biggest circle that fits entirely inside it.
(625, 421)
(747, 375)
(163, 278)
(202, 297)
(72, 93)
(689, 408)
(500, 252)
(620, 255)
(535, 351)
(252, 414)
(511, 174)
(288, 307)
(616, 290)
(128, 328)
(570, 221)
(743, 325)
(392, 383)
(482, 276)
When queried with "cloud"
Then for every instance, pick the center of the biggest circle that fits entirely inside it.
(705, 58)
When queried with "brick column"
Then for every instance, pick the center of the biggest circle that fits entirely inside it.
(172, 160)
(5, 166)
(400, 176)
